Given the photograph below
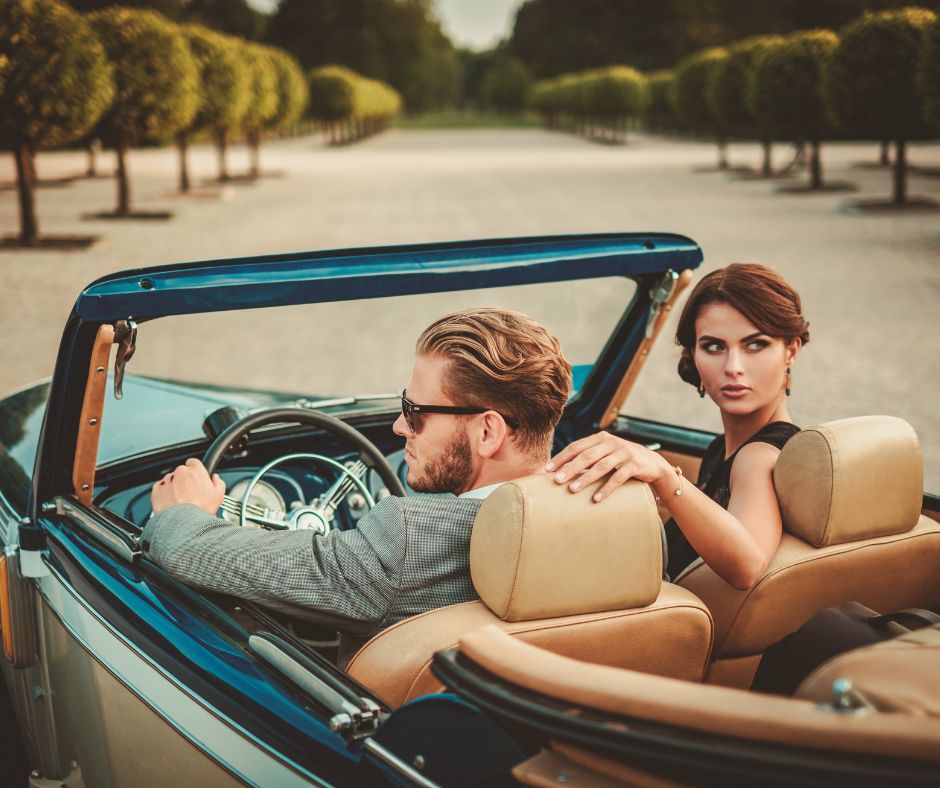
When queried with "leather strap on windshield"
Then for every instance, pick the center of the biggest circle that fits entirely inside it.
(89, 428)
(657, 321)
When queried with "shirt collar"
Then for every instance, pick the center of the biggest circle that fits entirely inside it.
(480, 492)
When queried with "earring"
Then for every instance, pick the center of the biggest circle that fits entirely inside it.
(701, 389)
(788, 381)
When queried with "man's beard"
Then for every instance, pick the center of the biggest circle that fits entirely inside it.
(450, 470)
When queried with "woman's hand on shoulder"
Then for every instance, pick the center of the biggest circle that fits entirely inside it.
(583, 462)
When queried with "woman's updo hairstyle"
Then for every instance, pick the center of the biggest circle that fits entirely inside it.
(757, 292)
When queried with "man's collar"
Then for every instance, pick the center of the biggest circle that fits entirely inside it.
(480, 492)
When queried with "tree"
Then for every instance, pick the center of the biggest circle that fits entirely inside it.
(235, 17)
(929, 75)
(660, 109)
(224, 93)
(786, 91)
(395, 41)
(693, 75)
(728, 93)
(49, 53)
(157, 83)
(291, 100)
(263, 106)
(506, 86)
(872, 81)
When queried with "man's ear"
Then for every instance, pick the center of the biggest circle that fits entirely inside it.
(491, 435)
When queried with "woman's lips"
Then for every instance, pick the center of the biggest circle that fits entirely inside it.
(735, 391)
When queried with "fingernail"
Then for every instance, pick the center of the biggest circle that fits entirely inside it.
(575, 486)
(560, 477)
(598, 497)
(550, 466)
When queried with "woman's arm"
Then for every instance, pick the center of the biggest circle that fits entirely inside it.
(736, 543)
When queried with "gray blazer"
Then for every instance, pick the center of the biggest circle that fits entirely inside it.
(406, 556)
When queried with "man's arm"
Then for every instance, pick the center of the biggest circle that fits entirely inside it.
(345, 579)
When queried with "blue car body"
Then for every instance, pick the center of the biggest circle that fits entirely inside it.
(108, 635)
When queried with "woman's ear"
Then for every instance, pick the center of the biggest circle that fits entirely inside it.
(793, 348)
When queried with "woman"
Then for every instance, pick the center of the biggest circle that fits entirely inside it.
(740, 332)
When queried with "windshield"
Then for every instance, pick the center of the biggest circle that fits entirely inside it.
(317, 351)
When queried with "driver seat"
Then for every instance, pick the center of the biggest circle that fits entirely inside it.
(560, 572)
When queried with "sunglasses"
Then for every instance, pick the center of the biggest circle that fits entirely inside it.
(411, 412)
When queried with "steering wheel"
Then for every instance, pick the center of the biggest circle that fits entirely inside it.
(317, 516)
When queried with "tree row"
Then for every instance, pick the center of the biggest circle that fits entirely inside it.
(130, 77)
(877, 78)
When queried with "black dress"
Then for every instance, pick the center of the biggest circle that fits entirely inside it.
(714, 479)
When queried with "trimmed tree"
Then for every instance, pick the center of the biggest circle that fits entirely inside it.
(929, 74)
(728, 94)
(157, 84)
(225, 90)
(56, 83)
(693, 75)
(292, 98)
(872, 82)
(660, 110)
(786, 91)
(263, 106)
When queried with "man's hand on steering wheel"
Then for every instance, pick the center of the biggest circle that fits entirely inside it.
(189, 483)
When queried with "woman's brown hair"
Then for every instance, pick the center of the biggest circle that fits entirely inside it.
(757, 292)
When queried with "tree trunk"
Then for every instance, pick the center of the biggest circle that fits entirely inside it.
(900, 172)
(885, 158)
(182, 145)
(722, 154)
(254, 146)
(815, 166)
(124, 185)
(766, 167)
(221, 144)
(26, 187)
(92, 147)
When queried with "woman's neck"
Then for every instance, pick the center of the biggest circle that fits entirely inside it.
(739, 428)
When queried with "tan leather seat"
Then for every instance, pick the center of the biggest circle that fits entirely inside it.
(899, 675)
(850, 492)
(563, 573)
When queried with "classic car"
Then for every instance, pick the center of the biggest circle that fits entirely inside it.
(117, 674)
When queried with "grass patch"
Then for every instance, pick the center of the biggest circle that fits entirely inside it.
(453, 119)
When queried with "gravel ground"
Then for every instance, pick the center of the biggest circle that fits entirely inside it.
(870, 282)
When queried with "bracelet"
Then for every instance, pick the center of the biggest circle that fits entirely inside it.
(678, 491)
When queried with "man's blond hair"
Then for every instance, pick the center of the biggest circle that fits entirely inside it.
(506, 361)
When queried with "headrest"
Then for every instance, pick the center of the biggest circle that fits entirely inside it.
(537, 551)
(850, 479)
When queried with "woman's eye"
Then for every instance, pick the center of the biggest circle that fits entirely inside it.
(757, 344)
(712, 347)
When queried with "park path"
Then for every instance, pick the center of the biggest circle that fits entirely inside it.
(871, 283)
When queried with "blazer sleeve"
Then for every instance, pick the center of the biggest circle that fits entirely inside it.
(346, 579)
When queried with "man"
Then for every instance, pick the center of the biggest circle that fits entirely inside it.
(487, 389)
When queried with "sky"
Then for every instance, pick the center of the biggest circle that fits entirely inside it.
(475, 24)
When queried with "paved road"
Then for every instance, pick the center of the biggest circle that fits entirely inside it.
(871, 283)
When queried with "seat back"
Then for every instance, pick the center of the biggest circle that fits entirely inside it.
(561, 572)
(850, 494)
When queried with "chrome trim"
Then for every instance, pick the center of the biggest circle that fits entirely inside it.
(162, 684)
(390, 759)
(22, 618)
(110, 535)
(303, 678)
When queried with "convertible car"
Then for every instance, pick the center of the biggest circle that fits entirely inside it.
(578, 664)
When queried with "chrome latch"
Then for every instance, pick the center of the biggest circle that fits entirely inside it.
(359, 722)
(658, 296)
(125, 337)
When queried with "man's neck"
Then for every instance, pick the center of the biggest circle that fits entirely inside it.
(492, 472)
